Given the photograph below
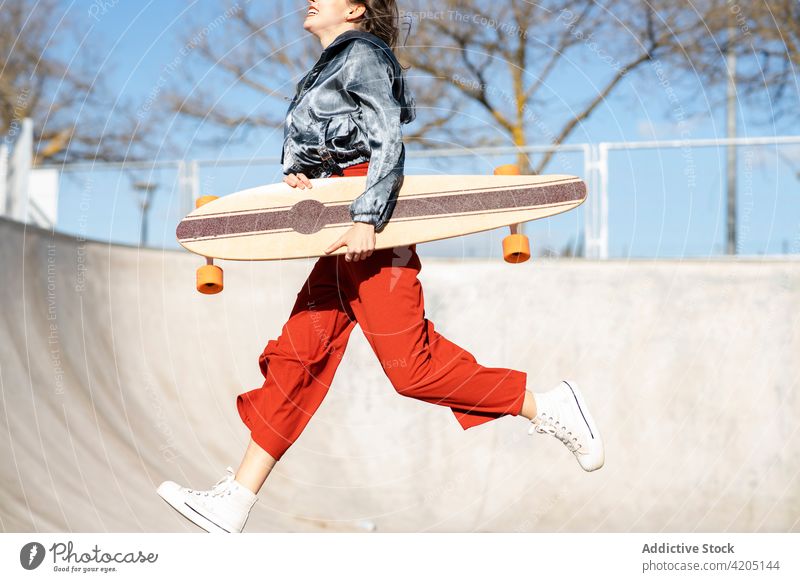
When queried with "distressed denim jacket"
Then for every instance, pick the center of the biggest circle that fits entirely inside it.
(346, 110)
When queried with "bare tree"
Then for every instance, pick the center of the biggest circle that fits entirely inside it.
(65, 94)
(507, 61)
(483, 73)
(766, 37)
(250, 49)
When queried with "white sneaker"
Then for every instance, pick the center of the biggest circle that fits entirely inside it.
(563, 413)
(222, 509)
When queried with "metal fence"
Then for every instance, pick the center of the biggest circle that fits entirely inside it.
(646, 199)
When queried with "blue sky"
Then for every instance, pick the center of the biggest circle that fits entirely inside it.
(654, 210)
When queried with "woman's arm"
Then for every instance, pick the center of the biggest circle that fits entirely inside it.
(368, 77)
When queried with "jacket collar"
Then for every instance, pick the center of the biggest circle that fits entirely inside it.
(349, 35)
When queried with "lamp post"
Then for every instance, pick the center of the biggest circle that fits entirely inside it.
(730, 246)
(146, 189)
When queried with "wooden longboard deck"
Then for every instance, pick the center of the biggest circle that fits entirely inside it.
(281, 222)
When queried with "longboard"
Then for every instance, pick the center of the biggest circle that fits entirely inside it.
(280, 222)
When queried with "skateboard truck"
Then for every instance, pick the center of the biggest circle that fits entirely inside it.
(516, 247)
(209, 276)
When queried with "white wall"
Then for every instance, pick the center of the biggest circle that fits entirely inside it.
(117, 375)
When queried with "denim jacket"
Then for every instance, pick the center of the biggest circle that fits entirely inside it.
(346, 110)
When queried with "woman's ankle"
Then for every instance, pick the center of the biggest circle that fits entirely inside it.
(255, 467)
(528, 405)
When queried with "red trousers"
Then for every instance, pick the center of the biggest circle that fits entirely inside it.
(383, 295)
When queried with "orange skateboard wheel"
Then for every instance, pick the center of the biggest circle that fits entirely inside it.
(209, 279)
(507, 170)
(516, 248)
(204, 200)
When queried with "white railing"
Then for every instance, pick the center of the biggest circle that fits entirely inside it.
(595, 161)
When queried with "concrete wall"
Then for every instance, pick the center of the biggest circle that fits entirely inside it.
(117, 375)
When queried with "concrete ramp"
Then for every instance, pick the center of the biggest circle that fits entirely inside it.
(115, 375)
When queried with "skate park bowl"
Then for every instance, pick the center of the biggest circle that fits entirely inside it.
(117, 375)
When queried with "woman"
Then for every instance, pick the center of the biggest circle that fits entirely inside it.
(346, 119)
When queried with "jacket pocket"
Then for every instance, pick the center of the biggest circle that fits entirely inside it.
(342, 139)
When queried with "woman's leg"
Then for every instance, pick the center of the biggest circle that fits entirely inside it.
(421, 363)
(298, 368)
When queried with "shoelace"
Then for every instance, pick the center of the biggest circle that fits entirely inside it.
(221, 487)
(548, 425)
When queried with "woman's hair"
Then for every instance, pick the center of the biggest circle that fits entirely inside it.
(381, 19)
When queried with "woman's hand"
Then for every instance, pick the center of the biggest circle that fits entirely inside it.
(298, 181)
(359, 240)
